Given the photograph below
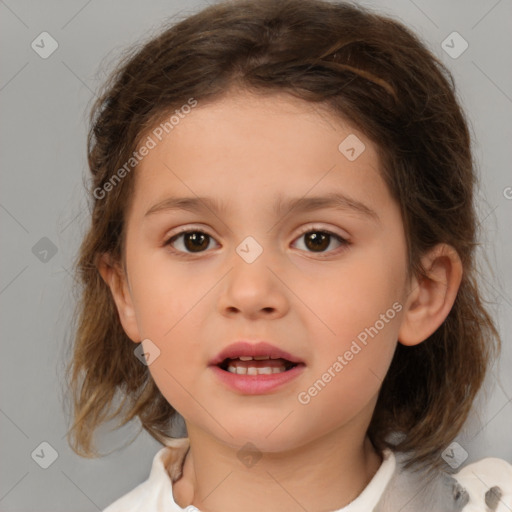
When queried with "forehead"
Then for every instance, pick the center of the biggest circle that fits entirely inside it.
(276, 145)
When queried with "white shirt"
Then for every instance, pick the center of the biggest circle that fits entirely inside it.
(155, 494)
(483, 485)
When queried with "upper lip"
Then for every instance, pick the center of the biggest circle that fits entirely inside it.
(245, 348)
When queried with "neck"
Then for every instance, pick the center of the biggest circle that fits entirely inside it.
(325, 474)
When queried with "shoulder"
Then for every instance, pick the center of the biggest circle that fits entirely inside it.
(482, 485)
(155, 493)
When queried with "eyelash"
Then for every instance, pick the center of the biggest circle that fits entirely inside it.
(344, 242)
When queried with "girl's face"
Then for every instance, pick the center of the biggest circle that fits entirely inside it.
(263, 271)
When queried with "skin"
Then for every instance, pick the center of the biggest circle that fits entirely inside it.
(246, 150)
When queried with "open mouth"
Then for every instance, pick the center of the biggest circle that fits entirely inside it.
(258, 365)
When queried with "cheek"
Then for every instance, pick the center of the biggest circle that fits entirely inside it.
(363, 314)
(168, 310)
(171, 313)
(346, 378)
(362, 294)
(165, 294)
(180, 357)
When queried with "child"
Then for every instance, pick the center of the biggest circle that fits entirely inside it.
(283, 224)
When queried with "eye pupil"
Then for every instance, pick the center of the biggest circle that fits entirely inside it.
(197, 239)
(318, 240)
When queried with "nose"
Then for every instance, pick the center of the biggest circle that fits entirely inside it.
(254, 290)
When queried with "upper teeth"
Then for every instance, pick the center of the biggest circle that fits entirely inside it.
(253, 370)
(249, 365)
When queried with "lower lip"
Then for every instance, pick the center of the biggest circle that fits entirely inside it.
(257, 384)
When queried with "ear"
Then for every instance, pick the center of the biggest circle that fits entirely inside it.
(430, 299)
(116, 279)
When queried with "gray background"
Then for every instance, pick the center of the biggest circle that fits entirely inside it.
(44, 105)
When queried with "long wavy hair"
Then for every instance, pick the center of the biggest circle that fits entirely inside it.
(370, 70)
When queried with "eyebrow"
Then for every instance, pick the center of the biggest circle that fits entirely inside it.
(334, 200)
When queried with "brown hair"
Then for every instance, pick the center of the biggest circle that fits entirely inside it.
(367, 69)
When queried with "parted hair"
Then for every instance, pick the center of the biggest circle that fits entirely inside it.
(369, 70)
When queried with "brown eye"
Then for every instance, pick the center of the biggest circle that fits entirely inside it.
(190, 241)
(318, 241)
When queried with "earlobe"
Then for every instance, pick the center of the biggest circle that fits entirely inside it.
(116, 280)
(430, 299)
